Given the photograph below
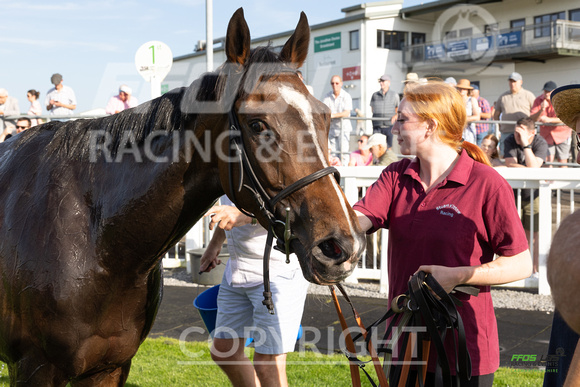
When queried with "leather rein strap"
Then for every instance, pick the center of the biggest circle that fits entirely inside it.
(265, 202)
(426, 304)
(354, 363)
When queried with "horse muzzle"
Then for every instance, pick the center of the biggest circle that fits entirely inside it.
(330, 260)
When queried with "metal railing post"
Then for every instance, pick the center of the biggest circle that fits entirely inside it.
(544, 234)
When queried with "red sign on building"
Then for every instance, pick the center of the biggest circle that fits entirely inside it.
(351, 73)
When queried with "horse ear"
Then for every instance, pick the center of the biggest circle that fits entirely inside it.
(238, 39)
(296, 48)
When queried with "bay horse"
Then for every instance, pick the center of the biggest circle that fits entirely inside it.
(90, 206)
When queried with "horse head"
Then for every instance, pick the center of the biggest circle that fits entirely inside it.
(282, 175)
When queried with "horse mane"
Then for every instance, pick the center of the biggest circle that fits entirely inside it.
(73, 139)
(168, 113)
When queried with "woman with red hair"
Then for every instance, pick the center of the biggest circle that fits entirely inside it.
(449, 212)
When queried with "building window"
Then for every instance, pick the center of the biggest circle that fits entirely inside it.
(518, 23)
(354, 40)
(465, 32)
(491, 29)
(393, 40)
(417, 38)
(543, 23)
(450, 35)
(574, 32)
(417, 50)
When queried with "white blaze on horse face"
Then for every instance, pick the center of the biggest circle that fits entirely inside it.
(300, 102)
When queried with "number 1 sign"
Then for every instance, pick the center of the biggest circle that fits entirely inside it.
(153, 61)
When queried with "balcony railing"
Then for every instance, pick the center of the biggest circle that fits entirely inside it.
(559, 37)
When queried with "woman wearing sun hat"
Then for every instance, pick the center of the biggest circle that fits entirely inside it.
(564, 268)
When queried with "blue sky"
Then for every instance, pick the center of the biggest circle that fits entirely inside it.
(93, 43)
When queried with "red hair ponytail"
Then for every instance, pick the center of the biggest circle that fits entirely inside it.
(475, 152)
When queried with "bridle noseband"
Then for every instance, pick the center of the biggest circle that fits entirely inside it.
(265, 202)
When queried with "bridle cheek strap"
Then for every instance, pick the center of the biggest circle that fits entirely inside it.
(268, 302)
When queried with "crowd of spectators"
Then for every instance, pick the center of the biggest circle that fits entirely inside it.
(60, 101)
(510, 106)
(515, 103)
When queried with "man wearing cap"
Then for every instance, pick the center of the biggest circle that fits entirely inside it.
(512, 105)
(124, 100)
(61, 99)
(377, 143)
(385, 103)
(557, 137)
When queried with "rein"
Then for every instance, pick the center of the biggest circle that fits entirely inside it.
(265, 202)
(431, 312)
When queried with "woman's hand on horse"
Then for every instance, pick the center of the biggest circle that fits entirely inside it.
(226, 217)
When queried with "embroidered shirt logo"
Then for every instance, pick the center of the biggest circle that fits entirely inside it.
(448, 210)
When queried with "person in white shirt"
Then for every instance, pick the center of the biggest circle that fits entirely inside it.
(240, 308)
(61, 99)
(340, 104)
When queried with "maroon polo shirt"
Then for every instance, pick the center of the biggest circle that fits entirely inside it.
(463, 221)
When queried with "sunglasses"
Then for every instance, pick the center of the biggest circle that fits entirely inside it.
(22, 127)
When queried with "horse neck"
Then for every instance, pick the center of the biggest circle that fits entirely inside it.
(158, 199)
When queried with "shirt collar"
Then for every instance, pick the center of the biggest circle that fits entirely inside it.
(459, 174)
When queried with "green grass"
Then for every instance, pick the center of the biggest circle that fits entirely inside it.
(166, 362)
(511, 377)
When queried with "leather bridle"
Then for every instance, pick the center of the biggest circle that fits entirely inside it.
(265, 202)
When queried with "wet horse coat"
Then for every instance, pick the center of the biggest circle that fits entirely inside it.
(89, 207)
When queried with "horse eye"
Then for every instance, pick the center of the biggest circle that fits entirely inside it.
(258, 126)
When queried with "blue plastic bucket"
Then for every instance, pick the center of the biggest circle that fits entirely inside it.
(206, 305)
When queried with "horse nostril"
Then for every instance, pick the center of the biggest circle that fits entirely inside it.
(331, 249)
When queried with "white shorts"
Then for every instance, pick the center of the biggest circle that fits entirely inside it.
(241, 313)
